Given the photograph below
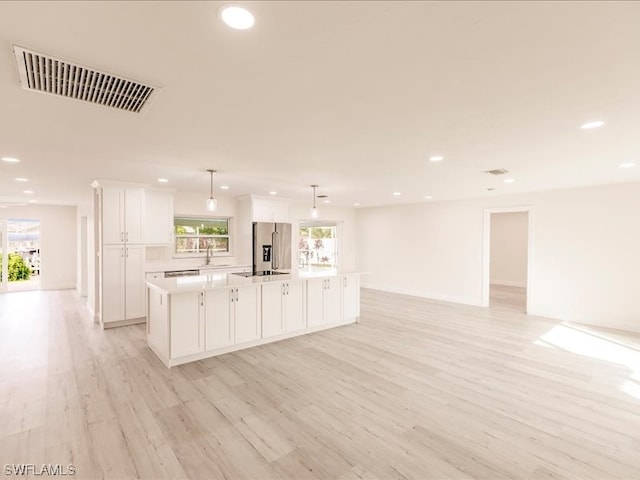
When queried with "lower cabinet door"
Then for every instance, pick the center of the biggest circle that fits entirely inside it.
(186, 329)
(273, 297)
(332, 305)
(246, 303)
(315, 294)
(295, 318)
(350, 297)
(113, 285)
(134, 281)
(218, 326)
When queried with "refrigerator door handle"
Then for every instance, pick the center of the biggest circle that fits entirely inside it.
(274, 250)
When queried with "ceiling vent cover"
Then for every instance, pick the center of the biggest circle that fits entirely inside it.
(497, 171)
(47, 74)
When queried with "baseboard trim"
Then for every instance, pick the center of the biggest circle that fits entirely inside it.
(57, 287)
(477, 302)
(262, 341)
(123, 323)
(508, 283)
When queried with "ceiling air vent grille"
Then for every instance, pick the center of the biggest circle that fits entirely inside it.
(47, 74)
(497, 171)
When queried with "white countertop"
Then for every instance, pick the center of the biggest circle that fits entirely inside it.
(212, 281)
(154, 266)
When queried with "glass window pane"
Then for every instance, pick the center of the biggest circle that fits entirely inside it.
(317, 247)
(201, 226)
(201, 232)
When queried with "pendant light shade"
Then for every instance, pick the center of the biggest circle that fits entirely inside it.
(212, 203)
(314, 210)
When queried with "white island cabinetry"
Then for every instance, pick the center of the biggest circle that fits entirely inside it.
(187, 319)
(245, 311)
(282, 308)
(350, 296)
(324, 297)
(198, 317)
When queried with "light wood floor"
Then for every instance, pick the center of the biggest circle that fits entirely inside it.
(418, 389)
(508, 298)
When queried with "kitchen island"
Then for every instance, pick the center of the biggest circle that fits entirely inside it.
(191, 318)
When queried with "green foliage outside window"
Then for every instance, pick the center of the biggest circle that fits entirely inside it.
(195, 235)
(17, 268)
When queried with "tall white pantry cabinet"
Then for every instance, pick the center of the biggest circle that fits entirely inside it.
(122, 228)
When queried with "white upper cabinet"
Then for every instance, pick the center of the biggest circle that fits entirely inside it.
(122, 215)
(266, 210)
(158, 217)
(112, 216)
(134, 215)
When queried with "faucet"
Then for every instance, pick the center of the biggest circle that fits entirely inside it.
(208, 260)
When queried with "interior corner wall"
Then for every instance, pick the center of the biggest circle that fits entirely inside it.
(584, 265)
(58, 240)
(509, 249)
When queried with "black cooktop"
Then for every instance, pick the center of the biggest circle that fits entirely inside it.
(262, 273)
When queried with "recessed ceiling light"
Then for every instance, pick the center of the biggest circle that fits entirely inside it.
(163, 180)
(21, 179)
(627, 165)
(273, 193)
(428, 197)
(28, 192)
(10, 160)
(397, 194)
(237, 17)
(590, 125)
(33, 201)
(4, 206)
(356, 204)
(509, 180)
(436, 158)
(326, 201)
(224, 187)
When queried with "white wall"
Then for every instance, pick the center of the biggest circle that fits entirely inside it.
(586, 256)
(86, 287)
(58, 235)
(509, 249)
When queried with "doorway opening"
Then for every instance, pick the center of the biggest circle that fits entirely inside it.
(317, 246)
(20, 256)
(507, 258)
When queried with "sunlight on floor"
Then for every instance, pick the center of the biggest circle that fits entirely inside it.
(631, 388)
(592, 344)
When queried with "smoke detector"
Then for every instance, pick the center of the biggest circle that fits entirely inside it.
(54, 76)
(497, 171)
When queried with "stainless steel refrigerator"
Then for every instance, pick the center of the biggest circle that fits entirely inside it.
(271, 247)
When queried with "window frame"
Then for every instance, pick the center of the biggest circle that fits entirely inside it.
(337, 226)
(201, 254)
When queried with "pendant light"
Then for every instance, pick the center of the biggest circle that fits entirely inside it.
(314, 210)
(212, 203)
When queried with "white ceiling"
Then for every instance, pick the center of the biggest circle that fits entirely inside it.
(353, 96)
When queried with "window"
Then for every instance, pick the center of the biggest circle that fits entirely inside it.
(317, 246)
(195, 235)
